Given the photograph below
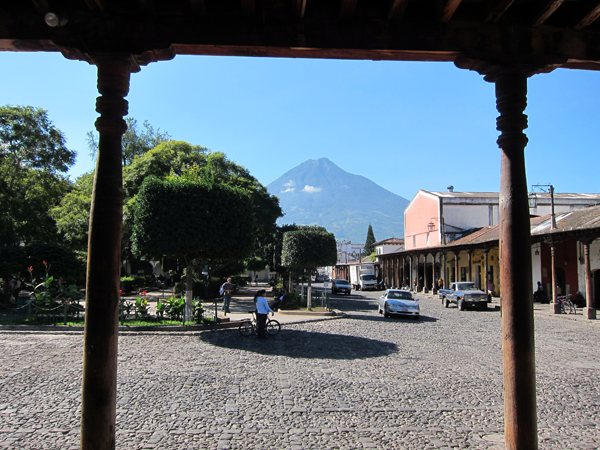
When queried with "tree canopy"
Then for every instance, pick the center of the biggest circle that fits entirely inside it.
(200, 220)
(33, 162)
(72, 216)
(136, 141)
(308, 248)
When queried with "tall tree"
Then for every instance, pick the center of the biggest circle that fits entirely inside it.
(72, 216)
(306, 249)
(369, 247)
(197, 221)
(33, 162)
(136, 141)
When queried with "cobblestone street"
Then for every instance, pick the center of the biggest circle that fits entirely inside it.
(361, 381)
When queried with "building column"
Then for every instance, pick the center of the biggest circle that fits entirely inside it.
(443, 271)
(410, 277)
(433, 280)
(456, 258)
(425, 275)
(401, 276)
(100, 341)
(589, 311)
(555, 306)
(469, 266)
(518, 346)
(486, 269)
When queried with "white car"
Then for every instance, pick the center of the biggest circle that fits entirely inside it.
(396, 301)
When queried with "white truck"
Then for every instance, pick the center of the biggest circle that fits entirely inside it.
(362, 277)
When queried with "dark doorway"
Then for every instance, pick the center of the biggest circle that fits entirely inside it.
(560, 280)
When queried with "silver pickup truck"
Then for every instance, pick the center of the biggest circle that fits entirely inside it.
(464, 294)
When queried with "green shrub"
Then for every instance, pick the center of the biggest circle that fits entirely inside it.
(129, 284)
(239, 281)
(198, 290)
(293, 301)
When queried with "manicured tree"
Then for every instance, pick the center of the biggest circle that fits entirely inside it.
(275, 248)
(306, 249)
(195, 221)
(369, 247)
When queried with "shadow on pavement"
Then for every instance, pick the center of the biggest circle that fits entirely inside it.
(303, 344)
(380, 318)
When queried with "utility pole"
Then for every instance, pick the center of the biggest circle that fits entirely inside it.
(547, 188)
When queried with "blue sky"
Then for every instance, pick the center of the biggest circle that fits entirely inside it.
(406, 126)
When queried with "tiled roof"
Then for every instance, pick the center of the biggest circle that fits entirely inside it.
(486, 234)
(390, 241)
(584, 221)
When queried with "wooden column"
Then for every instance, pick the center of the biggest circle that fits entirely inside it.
(589, 311)
(518, 349)
(99, 385)
(555, 306)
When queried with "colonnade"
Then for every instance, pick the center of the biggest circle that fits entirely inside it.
(102, 306)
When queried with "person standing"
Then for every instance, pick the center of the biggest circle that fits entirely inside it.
(227, 290)
(538, 295)
(262, 313)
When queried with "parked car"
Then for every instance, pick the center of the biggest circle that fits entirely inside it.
(396, 301)
(339, 285)
(464, 294)
(320, 278)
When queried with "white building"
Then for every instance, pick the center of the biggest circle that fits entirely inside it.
(388, 246)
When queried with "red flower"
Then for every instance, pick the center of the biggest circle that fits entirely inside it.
(30, 268)
(45, 263)
(121, 292)
(144, 293)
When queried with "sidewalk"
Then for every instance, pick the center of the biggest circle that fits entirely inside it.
(242, 303)
(539, 309)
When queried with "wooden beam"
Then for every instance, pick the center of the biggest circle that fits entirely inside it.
(147, 6)
(347, 8)
(497, 10)
(42, 5)
(94, 5)
(198, 7)
(298, 8)
(546, 11)
(447, 10)
(397, 9)
(589, 18)
(248, 7)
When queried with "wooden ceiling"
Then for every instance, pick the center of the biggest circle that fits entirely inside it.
(475, 34)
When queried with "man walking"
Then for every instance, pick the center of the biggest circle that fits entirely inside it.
(227, 290)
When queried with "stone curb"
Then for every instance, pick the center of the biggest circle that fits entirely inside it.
(188, 329)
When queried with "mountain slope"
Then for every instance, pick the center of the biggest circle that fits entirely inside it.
(319, 192)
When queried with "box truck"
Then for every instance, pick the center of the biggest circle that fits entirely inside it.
(362, 277)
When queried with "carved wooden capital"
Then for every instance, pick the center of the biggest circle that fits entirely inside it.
(511, 101)
(113, 85)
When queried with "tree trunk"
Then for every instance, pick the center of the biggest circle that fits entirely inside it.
(189, 291)
(308, 294)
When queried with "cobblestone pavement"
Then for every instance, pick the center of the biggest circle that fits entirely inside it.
(358, 382)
